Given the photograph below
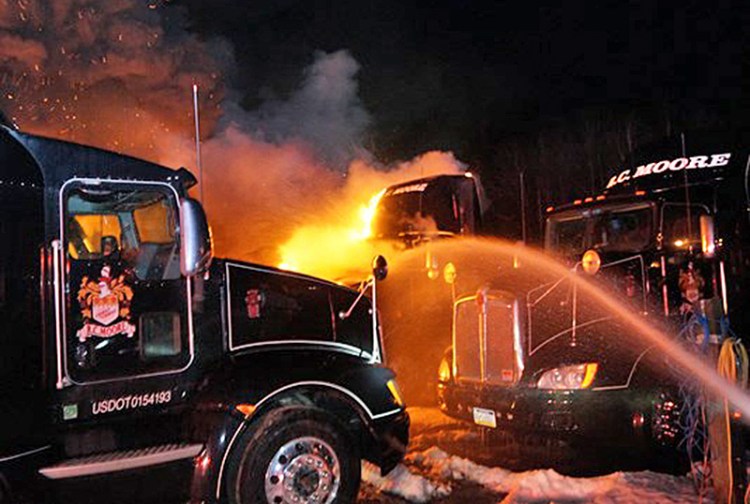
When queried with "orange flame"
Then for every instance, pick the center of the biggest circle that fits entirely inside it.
(337, 244)
(367, 214)
(324, 248)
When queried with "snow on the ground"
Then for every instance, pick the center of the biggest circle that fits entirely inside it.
(401, 482)
(429, 474)
(544, 485)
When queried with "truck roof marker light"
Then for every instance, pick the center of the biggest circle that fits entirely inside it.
(246, 409)
(577, 202)
(601, 197)
(640, 193)
(589, 199)
(550, 208)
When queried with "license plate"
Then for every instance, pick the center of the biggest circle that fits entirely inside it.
(484, 417)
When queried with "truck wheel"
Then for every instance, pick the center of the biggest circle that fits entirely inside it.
(295, 455)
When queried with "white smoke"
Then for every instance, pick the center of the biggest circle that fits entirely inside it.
(325, 111)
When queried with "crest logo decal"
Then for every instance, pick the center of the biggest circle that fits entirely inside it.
(105, 306)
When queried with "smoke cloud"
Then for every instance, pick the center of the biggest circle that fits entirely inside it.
(113, 74)
(118, 74)
(325, 112)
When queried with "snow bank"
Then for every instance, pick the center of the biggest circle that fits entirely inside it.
(547, 485)
(403, 483)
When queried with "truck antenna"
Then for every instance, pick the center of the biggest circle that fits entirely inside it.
(687, 196)
(522, 183)
(198, 142)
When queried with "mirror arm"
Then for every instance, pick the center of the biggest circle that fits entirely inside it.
(343, 315)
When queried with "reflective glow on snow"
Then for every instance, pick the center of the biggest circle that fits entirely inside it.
(431, 474)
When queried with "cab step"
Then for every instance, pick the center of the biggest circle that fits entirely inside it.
(121, 461)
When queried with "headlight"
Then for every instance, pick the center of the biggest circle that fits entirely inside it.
(395, 392)
(576, 377)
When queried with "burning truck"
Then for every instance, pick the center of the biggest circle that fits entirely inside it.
(410, 220)
(669, 235)
(128, 355)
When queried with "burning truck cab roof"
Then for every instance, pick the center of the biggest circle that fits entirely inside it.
(430, 207)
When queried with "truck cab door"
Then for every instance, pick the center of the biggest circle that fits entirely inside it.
(126, 315)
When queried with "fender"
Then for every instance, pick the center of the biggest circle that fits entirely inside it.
(254, 375)
(256, 382)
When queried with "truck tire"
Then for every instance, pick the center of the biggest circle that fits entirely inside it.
(294, 455)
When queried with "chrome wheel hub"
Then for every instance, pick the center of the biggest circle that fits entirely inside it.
(303, 471)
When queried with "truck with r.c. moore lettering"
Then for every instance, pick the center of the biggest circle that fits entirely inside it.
(128, 355)
(669, 234)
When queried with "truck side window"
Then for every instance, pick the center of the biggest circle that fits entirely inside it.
(141, 232)
(92, 235)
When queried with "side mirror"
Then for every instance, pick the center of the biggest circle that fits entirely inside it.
(195, 247)
(708, 236)
(379, 268)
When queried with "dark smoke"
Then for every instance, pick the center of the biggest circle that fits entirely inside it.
(109, 73)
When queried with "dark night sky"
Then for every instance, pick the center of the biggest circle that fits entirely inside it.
(454, 75)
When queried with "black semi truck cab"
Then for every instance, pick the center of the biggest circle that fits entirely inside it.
(128, 354)
(530, 357)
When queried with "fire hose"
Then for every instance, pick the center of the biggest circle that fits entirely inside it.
(732, 364)
(697, 414)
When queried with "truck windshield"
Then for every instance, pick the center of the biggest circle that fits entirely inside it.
(610, 228)
(681, 224)
(417, 209)
(136, 226)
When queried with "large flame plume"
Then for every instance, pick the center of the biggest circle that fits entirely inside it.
(335, 243)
